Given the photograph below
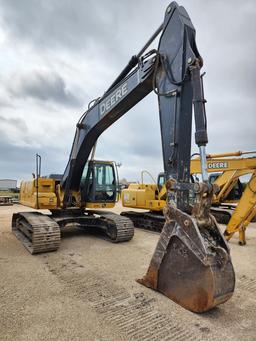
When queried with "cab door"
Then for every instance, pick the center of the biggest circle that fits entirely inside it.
(99, 182)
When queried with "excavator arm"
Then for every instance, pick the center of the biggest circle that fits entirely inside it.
(173, 72)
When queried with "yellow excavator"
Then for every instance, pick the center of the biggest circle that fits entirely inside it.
(191, 263)
(233, 203)
(227, 170)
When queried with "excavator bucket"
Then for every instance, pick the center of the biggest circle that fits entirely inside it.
(191, 264)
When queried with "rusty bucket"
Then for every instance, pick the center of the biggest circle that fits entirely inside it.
(191, 264)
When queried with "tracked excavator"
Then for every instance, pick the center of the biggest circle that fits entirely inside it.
(233, 203)
(226, 170)
(191, 264)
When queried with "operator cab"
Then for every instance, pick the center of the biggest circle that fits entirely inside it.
(99, 182)
(160, 181)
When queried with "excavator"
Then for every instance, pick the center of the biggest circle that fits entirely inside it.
(230, 167)
(225, 170)
(191, 263)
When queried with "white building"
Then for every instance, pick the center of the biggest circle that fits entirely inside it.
(7, 184)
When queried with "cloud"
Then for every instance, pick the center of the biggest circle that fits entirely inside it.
(4, 103)
(18, 123)
(18, 161)
(13, 131)
(60, 25)
(44, 86)
(57, 56)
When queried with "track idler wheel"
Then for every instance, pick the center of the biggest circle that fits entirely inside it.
(191, 264)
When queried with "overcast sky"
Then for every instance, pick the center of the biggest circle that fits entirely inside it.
(57, 55)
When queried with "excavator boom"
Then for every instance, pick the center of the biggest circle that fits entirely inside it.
(165, 71)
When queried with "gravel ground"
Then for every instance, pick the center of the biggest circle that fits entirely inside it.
(87, 291)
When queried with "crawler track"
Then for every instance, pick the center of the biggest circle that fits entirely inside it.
(155, 222)
(118, 228)
(37, 232)
(41, 233)
(146, 220)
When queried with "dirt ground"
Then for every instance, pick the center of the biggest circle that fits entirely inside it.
(87, 291)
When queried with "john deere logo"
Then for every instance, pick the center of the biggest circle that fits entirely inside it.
(112, 100)
(217, 165)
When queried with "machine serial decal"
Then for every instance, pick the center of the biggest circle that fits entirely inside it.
(111, 101)
(217, 165)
